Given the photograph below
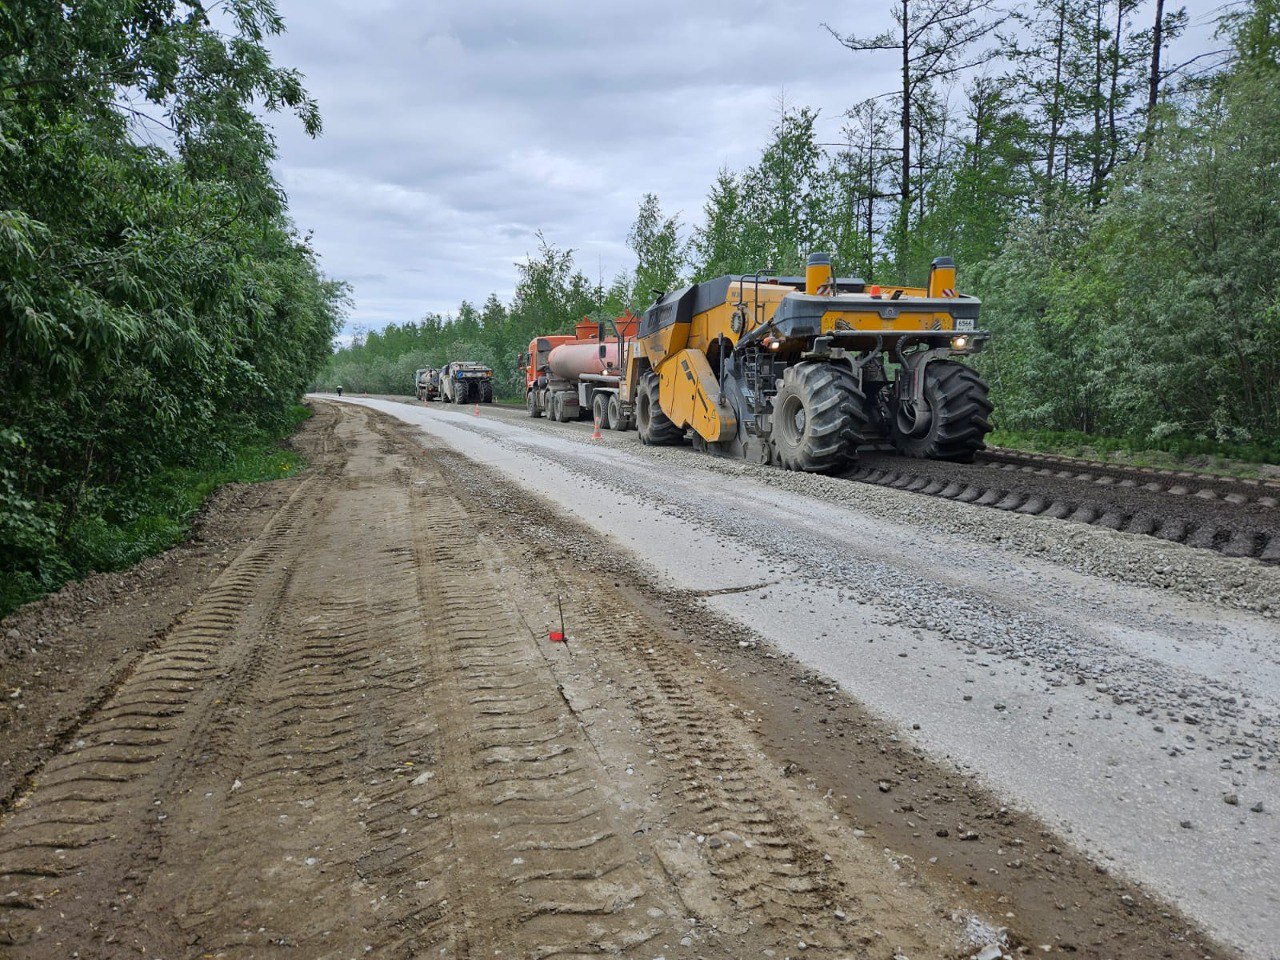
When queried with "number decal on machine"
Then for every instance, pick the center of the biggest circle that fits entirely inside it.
(964, 323)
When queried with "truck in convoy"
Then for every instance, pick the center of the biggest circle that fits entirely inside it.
(465, 381)
(426, 383)
(580, 377)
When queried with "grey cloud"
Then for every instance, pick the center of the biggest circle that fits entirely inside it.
(454, 132)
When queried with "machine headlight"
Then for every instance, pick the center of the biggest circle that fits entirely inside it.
(959, 343)
(774, 344)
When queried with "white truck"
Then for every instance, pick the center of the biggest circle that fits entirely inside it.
(426, 383)
(465, 381)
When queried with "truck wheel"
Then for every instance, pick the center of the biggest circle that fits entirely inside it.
(600, 409)
(531, 404)
(819, 414)
(460, 392)
(656, 428)
(562, 409)
(486, 392)
(952, 422)
(613, 410)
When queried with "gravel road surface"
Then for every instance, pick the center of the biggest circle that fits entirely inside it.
(1124, 690)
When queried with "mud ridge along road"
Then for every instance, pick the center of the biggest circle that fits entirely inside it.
(795, 717)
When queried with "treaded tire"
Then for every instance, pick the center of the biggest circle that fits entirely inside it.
(656, 428)
(486, 391)
(819, 418)
(531, 404)
(959, 408)
(600, 409)
(460, 391)
(562, 415)
(616, 420)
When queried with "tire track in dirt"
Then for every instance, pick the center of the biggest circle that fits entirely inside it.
(750, 859)
(139, 739)
(542, 823)
(744, 857)
(759, 883)
(358, 742)
(331, 791)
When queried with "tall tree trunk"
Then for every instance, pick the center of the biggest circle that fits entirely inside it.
(1095, 170)
(873, 187)
(1153, 83)
(871, 247)
(981, 108)
(1055, 113)
(1113, 138)
(904, 208)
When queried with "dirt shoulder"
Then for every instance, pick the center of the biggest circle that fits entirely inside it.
(63, 655)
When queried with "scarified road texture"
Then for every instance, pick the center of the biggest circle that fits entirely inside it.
(357, 742)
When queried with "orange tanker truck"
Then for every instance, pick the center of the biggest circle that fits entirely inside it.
(580, 377)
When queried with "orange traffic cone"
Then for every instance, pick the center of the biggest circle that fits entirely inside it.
(596, 435)
(477, 409)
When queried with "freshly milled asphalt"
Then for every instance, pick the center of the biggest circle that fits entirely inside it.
(1120, 687)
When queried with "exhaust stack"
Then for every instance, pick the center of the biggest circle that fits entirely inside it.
(818, 274)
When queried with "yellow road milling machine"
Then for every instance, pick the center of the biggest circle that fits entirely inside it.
(802, 371)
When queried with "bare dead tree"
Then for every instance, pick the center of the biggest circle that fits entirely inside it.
(1157, 45)
(934, 39)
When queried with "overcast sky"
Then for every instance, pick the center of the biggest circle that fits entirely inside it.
(454, 132)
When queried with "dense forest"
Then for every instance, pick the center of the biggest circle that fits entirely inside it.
(1118, 213)
(159, 315)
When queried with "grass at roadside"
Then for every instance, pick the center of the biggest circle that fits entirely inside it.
(1222, 459)
(153, 518)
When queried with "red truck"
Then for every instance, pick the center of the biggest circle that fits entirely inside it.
(579, 377)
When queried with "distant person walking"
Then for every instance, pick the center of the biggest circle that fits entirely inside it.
(339, 391)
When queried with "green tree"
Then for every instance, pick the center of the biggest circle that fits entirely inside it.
(1159, 314)
(933, 40)
(660, 254)
(987, 185)
(158, 305)
(786, 196)
(716, 246)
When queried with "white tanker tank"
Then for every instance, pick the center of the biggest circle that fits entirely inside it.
(569, 361)
(578, 377)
